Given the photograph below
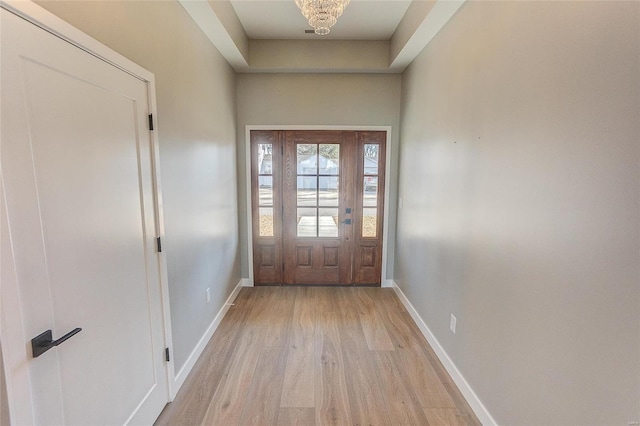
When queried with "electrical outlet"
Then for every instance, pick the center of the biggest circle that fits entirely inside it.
(208, 293)
(452, 324)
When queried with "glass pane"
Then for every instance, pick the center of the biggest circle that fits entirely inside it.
(328, 223)
(307, 223)
(328, 190)
(307, 159)
(370, 193)
(307, 191)
(265, 190)
(265, 155)
(369, 223)
(371, 158)
(266, 221)
(329, 159)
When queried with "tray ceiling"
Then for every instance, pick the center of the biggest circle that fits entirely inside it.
(281, 19)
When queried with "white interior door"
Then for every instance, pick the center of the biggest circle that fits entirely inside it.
(77, 179)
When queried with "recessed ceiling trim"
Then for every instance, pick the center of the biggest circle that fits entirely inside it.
(220, 23)
(436, 18)
(236, 52)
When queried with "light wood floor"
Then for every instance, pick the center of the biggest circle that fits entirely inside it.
(317, 355)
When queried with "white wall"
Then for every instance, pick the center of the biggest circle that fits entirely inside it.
(196, 120)
(318, 56)
(317, 99)
(519, 175)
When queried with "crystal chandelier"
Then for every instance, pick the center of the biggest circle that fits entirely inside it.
(322, 14)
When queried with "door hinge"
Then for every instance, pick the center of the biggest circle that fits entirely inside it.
(159, 244)
(150, 121)
(166, 355)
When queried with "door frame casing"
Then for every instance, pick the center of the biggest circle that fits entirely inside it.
(384, 282)
(19, 394)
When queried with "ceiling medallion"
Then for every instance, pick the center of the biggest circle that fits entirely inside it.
(322, 14)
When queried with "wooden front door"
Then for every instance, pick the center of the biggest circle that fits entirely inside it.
(317, 205)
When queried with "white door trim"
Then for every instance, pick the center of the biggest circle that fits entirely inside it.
(18, 388)
(385, 224)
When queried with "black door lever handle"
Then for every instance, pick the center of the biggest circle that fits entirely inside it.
(43, 342)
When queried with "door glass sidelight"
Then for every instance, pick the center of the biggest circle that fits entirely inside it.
(265, 189)
(266, 206)
(317, 187)
(370, 191)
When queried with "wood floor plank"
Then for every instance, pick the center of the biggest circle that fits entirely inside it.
(368, 405)
(332, 401)
(375, 331)
(262, 401)
(343, 300)
(404, 409)
(406, 335)
(296, 416)
(323, 300)
(402, 335)
(463, 407)
(429, 387)
(278, 316)
(228, 401)
(265, 298)
(445, 417)
(424, 381)
(299, 376)
(388, 296)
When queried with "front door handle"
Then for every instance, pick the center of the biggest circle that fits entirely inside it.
(346, 221)
(43, 342)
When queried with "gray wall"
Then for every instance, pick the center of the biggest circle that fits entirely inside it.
(4, 403)
(196, 118)
(317, 99)
(519, 179)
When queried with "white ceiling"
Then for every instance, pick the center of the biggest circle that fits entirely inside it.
(281, 19)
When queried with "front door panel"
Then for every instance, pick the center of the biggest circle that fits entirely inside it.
(318, 237)
(317, 203)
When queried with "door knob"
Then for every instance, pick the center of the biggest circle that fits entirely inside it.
(43, 342)
(346, 221)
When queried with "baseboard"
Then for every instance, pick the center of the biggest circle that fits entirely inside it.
(476, 405)
(387, 283)
(246, 282)
(180, 378)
